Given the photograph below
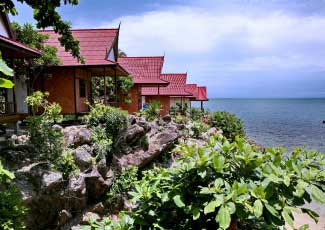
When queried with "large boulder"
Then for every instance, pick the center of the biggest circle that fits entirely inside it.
(134, 133)
(158, 143)
(82, 157)
(76, 136)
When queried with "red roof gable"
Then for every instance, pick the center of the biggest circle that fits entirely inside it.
(202, 94)
(176, 87)
(192, 89)
(145, 70)
(94, 46)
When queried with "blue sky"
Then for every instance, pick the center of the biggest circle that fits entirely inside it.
(238, 48)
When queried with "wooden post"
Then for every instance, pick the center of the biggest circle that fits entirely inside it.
(74, 92)
(115, 81)
(14, 88)
(105, 87)
(202, 109)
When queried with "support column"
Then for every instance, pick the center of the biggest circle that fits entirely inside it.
(74, 91)
(202, 109)
(115, 84)
(105, 87)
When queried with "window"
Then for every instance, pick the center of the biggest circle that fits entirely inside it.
(82, 88)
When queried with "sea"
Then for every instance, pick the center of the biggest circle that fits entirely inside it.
(278, 122)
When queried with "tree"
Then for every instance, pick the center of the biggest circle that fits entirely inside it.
(121, 53)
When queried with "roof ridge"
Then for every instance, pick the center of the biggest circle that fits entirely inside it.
(48, 30)
(173, 73)
(143, 57)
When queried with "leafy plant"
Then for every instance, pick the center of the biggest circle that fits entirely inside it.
(7, 71)
(153, 111)
(121, 186)
(197, 128)
(66, 164)
(46, 139)
(124, 222)
(113, 120)
(12, 210)
(196, 114)
(103, 143)
(223, 183)
(229, 123)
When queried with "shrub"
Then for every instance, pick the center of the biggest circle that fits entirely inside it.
(103, 143)
(46, 139)
(66, 164)
(198, 128)
(113, 120)
(121, 186)
(12, 210)
(224, 183)
(229, 123)
(153, 111)
(195, 114)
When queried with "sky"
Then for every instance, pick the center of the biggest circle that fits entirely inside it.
(237, 48)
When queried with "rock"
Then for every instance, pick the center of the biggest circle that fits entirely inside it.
(95, 183)
(132, 119)
(158, 143)
(18, 156)
(167, 118)
(109, 178)
(57, 127)
(82, 157)
(76, 192)
(145, 125)
(51, 181)
(98, 208)
(64, 217)
(89, 216)
(76, 136)
(102, 167)
(19, 140)
(133, 134)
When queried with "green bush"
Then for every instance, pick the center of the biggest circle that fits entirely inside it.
(113, 120)
(12, 210)
(121, 186)
(229, 123)
(198, 128)
(46, 139)
(66, 164)
(221, 183)
(196, 114)
(153, 111)
(103, 143)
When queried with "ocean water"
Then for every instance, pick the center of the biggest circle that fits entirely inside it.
(278, 122)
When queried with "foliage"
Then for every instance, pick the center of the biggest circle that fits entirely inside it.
(153, 111)
(7, 71)
(46, 15)
(196, 114)
(125, 222)
(229, 123)
(121, 186)
(113, 120)
(66, 164)
(47, 140)
(124, 84)
(12, 211)
(197, 128)
(212, 185)
(29, 36)
(103, 143)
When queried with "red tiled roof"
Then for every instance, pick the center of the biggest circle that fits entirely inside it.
(176, 87)
(192, 89)
(94, 46)
(202, 94)
(20, 48)
(145, 70)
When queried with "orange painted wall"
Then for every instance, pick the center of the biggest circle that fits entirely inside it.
(164, 100)
(135, 97)
(61, 88)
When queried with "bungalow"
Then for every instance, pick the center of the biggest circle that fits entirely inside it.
(146, 72)
(69, 83)
(168, 96)
(199, 93)
(12, 101)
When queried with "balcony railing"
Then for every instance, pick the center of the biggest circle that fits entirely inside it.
(7, 108)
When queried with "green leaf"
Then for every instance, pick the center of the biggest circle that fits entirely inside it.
(218, 163)
(196, 213)
(304, 227)
(286, 180)
(179, 203)
(311, 213)
(6, 70)
(4, 83)
(271, 209)
(286, 213)
(258, 208)
(223, 217)
(317, 194)
(211, 206)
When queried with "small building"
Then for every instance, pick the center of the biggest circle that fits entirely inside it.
(69, 83)
(12, 101)
(168, 96)
(146, 73)
(199, 93)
